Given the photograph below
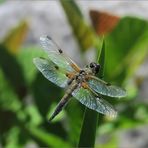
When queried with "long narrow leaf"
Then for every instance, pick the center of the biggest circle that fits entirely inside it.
(47, 138)
(90, 120)
(83, 32)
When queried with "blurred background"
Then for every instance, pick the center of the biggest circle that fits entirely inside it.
(27, 99)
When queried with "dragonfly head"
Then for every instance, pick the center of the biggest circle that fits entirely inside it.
(95, 67)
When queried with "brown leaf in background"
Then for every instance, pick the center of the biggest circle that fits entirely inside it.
(15, 37)
(103, 22)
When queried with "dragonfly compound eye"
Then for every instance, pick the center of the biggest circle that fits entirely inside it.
(92, 65)
(97, 68)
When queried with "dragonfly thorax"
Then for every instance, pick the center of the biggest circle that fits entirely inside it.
(93, 69)
(80, 77)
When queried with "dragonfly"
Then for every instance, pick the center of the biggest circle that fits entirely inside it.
(80, 83)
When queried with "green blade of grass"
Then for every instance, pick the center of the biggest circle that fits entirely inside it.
(88, 131)
(101, 60)
(90, 121)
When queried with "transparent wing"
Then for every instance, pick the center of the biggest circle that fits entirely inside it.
(56, 55)
(51, 71)
(104, 88)
(93, 102)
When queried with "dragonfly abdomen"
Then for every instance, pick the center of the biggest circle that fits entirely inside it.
(63, 101)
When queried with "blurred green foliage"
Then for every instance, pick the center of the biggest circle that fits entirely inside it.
(27, 98)
(1, 1)
(84, 33)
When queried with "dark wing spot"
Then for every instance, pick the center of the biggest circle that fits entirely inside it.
(60, 51)
(108, 84)
(42, 58)
(56, 67)
(67, 74)
(49, 37)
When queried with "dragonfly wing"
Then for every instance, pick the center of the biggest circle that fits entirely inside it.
(56, 55)
(51, 71)
(104, 88)
(93, 102)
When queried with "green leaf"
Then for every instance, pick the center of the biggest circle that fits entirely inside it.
(13, 71)
(2, 1)
(126, 48)
(90, 120)
(12, 139)
(88, 130)
(32, 111)
(24, 57)
(74, 120)
(47, 138)
(14, 39)
(9, 101)
(101, 60)
(84, 34)
(44, 93)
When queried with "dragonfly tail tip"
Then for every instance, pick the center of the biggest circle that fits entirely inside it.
(49, 121)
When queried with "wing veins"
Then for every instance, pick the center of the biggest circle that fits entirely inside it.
(102, 88)
(97, 103)
(47, 68)
(53, 50)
